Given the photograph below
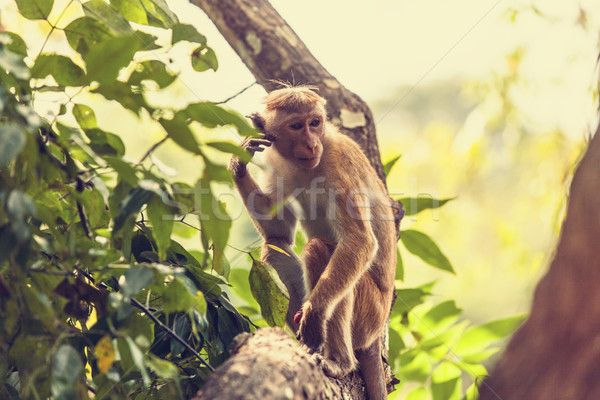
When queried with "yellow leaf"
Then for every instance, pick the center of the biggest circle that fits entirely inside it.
(105, 354)
(278, 249)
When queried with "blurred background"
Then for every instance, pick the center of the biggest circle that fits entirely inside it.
(489, 102)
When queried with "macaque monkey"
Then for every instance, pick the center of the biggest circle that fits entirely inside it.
(341, 290)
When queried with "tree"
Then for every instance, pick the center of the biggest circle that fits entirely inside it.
(97, 297)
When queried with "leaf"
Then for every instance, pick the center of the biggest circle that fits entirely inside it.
(125, 170)
(154, 70)
(478, 338)
(131, 205)
(105, 60)
(228, 147)
(268, 293)
(122, 93)
(387, 167)
(86, 33)
(159, 13)
(178, 130)
(425, 248)
(63, 69)
(188, 33)
(204, 58)
(408, 299)
(214, 221)
(399, 266)
(85, 116)
(138, 359)
(136, 278)
(445, 383)
(101, 11)
(212, 115)
(105, 142)
(67, 370)
(35, 9)
(13, 63)
(278, 249)
(414, 205)
(14, 43)
(439, 318)
(161, 217)
(176, 297)
(12, 141)
(419, 393)
(105, 354)
(132, 10)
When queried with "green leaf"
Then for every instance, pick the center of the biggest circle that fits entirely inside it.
(35, 9)
(399, 266)
(64, 71)
(121, 92)
(105, 142)
(135, 279)
(86, 33)
(439, 318)
(228, 147)
(12, 141)
(161, 217)
(425, 248)
(387, 167)
(154, 70)
(179, 131)
(131, 205)
(415, 366)
(14, 43)
(180, 296)
(14, 64)
(408, 299)
(67, 370)
(85, 116)
(212, 115)
(414, 205)
(268, 293)
(478, 338)
(132, 10)
(445, 383)
(101, 11)
(214, 221)
(188, 33)
(138, 359)
(105, 60)
(126, 170)
(159, 13)
(419, 393)
(204, 58)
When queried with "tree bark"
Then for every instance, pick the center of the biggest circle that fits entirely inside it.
(556, 353)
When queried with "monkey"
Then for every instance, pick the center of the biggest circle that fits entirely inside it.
(341, 288)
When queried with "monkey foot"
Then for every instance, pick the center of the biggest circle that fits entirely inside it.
(332, 368)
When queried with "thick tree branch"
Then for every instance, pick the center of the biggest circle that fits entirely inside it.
(556, 353)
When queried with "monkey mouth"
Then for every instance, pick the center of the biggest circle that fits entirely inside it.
(307, 159)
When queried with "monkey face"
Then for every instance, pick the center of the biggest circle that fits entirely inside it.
(300, 139)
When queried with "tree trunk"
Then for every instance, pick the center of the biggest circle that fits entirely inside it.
(273, 52)
(556, 353)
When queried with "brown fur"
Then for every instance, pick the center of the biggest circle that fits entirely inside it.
(345, 282)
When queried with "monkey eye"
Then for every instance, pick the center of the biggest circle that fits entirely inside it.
(296, 126)
(315, 122)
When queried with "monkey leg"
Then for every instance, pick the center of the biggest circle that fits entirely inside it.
(289, 269)
(371, 368)
(339, 357)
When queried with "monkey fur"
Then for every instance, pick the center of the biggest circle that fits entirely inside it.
(342, 286)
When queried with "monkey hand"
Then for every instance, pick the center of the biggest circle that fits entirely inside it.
(311, 329)
(251, 145)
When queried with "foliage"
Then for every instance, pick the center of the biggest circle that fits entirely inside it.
(97, 298)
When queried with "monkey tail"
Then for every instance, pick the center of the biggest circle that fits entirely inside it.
(371, 368)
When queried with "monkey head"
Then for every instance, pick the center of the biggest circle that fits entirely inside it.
(295, 121)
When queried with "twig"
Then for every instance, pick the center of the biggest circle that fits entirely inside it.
(151, 149)
(237, 94)
(84, 221)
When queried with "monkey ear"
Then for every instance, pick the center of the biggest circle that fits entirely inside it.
(258, 121)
